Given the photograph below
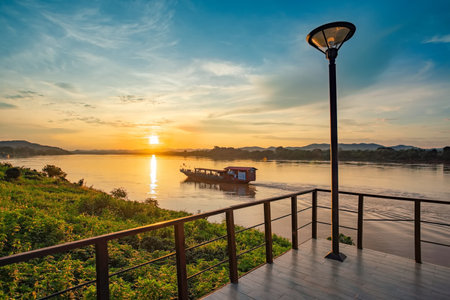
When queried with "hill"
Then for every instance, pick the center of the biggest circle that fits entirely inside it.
(20, 148)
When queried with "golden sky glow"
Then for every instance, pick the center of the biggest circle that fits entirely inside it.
(162, 74)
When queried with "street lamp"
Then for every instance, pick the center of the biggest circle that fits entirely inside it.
(328, 39)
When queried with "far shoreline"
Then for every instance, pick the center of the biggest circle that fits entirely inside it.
(215, 158)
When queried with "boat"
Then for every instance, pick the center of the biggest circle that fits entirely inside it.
(228, 175)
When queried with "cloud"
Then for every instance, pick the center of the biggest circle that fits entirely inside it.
(92, 26)
(217, 126)
(223, 68)
(438, 39)
(281, 138)
(27, 128)
(291, 87)
(273, 123)
(4, 105)
(72, 116)
(24, 94)
(65, 86)
(136, 99)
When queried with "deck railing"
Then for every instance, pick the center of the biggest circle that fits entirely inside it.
(101, 242)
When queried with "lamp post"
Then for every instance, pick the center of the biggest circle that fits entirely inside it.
(328, 39)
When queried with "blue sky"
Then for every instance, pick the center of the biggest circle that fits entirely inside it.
(108, 74)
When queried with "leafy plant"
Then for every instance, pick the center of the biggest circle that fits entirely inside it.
(120, 193)
(54, 171)
(12, 173)
(344, 239)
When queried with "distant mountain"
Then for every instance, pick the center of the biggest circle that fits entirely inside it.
(21, 148)
(324, 147)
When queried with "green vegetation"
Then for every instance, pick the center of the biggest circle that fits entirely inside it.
(54, 171)
(344, 239)
(382, 154)
(38, 211)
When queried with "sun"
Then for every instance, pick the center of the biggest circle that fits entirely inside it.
(153, 140)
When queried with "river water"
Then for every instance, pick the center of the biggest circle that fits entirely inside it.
(158, 177)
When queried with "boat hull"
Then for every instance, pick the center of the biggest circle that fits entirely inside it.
(212, 178)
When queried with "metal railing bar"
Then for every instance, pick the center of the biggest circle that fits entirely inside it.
(389, 197)
(301, 210)
(435, 223)
(69, 289)
(245, 229)
(352, 228)
(304, 225)
(390, 220)
(326, 207)
(325, 223)
(276, 219)
(249, 250)
(435, 243)
(207, 242)
(208, 268)
(143, 264)
(340, 209)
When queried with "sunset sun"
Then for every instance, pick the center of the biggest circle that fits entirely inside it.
(153, 140)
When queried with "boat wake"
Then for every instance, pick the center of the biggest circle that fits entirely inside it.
(373, 207)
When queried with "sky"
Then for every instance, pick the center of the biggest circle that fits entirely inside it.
(198, 74)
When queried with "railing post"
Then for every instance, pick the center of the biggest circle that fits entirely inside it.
(360, 220)
(231, 235)
(268, 232)
(314, 215)
(181, 261)
(101, 265)
(417, 243)
(294, 222)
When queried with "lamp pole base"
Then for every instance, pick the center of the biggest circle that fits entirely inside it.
(339, 257)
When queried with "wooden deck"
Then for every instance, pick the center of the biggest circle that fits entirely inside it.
(365, 274)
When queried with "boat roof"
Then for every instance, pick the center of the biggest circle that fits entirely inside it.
(241, 168)
(204, 169)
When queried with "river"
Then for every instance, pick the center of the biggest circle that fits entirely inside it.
(158, 177)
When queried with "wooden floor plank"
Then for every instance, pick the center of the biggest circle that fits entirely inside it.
(365, 274)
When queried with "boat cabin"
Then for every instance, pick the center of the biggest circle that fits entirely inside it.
(242, 173)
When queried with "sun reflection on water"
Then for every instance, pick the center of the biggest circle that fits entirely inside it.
(153, 180)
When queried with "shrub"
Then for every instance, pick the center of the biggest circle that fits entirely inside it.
(344, 239)
(95, 205)
(152, 202)
(120, 193)
(12, 173)
(54, 171)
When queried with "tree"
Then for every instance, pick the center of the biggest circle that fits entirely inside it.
(54, 171)
(446, 154)
(120, 193)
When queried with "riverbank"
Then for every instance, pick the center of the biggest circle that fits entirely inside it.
(38, 211)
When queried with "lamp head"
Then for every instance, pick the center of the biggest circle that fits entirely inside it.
(330, 37)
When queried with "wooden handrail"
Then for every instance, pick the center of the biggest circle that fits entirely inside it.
(101, 242)
(24, 256)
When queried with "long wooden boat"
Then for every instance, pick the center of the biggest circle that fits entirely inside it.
(228, 174)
